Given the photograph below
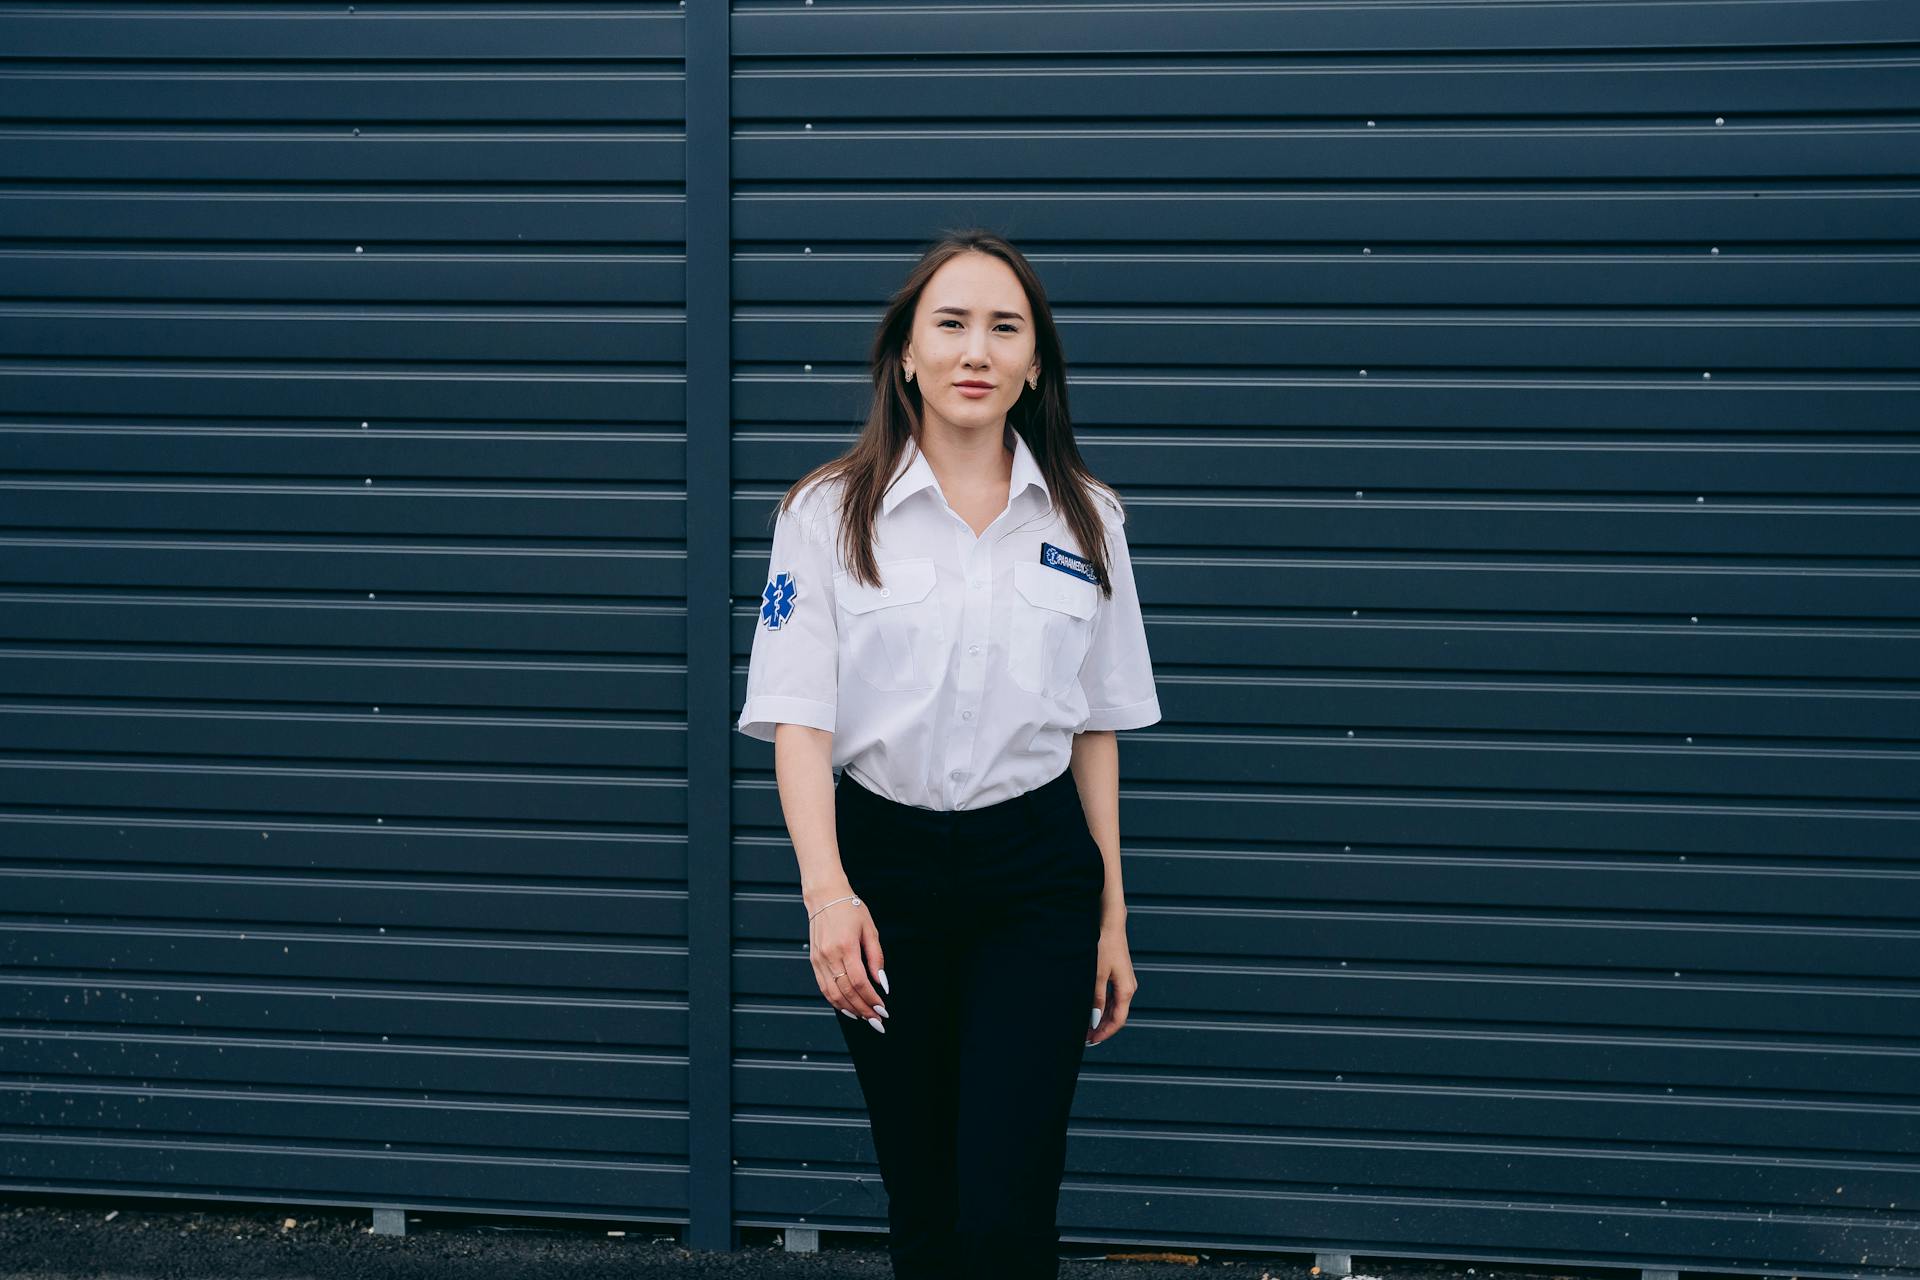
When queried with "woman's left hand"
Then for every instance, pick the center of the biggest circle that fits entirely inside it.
(1115, 968)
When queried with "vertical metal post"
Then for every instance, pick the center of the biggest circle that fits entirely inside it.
(709, 241)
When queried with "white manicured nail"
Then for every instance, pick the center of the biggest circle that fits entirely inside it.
(882, 1011)
(882, 975)
(876, 1025)
(848, 1012)
(1096, 1019)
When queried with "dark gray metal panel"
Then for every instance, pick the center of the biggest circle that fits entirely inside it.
(1516, 406)
(343, 581)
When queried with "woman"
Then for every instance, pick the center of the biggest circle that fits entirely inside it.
(950, 616)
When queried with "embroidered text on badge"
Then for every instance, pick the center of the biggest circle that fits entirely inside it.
(1066, 562)
(776, 602)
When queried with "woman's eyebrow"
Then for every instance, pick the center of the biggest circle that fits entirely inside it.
(962, 311)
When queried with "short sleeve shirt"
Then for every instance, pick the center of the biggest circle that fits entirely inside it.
(960, 680)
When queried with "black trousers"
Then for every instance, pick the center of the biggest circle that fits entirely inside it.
(989, 924)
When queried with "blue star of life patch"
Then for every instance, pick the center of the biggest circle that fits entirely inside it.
(776, 602)
(1066, 562)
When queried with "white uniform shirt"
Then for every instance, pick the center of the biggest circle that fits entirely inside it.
(961, 679)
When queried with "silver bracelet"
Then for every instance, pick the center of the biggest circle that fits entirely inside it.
(852, 897)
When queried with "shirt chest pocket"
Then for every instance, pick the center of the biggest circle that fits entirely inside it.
(891, 635)
(1051, 628)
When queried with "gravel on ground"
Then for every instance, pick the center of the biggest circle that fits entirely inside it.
(47, 1236)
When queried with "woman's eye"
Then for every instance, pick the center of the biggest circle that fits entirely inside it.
(1000, 326)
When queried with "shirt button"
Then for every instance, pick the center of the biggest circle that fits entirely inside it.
(886, 591)
(966, 715)
(955, 775)
(973, 648)
(978, 585)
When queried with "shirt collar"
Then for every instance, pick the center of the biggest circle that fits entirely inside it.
(914, 474)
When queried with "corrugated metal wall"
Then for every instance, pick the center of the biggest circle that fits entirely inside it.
(342, 759)
(1526, 865)
(1524, 869)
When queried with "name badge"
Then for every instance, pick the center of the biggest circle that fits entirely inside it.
(1066, 562)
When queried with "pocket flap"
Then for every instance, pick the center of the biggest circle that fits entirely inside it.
(901, 582)
(1052, 589)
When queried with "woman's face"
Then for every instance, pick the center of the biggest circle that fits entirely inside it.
(972, 325)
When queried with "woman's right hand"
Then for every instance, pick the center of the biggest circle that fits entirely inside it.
(844, 939)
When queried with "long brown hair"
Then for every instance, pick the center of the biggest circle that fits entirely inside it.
(1039, 415)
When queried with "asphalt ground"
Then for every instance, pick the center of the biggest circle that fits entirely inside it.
(59, 1237)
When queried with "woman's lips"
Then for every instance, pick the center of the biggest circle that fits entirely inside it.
(971, 392)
